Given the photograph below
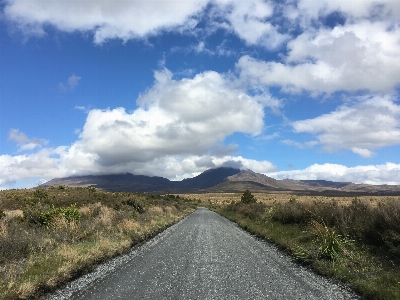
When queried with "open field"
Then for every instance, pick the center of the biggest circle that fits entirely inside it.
(270, 198)
(50, 236)
(353, 239)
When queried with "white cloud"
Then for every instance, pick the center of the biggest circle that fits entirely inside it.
(108, 19)
(38, 164)
(299, 145)
(25, 143)
(371, 123)
(308, 11)
(388, 173)
(127, 20)
(177, 131)
(72, 82)
(362, 152)
(64, 161)
(251, 21)
(351, 58)
(188, 116)
(17, 136)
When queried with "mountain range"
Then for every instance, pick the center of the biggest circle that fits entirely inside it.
(218, 180)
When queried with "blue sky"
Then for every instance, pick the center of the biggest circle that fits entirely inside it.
(292, 89)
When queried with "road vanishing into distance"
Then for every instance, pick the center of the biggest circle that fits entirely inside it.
(204, 256)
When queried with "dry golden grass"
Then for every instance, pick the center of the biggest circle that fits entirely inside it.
(269, 199)
(169, 210)
(354, 239)
(47, 252)
(9, 215)
(59, 223)
(14, 213)
(155, 210)
(105, 216)
(3, 228)
(70, 254)
(85, 211)
(26, 289)
(127, 226)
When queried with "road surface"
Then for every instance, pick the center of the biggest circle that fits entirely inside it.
(205, 256)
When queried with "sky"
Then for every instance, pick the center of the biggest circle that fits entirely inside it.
(299, 89)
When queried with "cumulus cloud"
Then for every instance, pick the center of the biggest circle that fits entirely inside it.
(308, 11)
(108, 19)
(127, 20)
(25, 143)
(257, 22)
(174, 117)
(251, 21)
(370, 123)
(363, 56)
(388, 173)
(177, 131)
(68, 161)
(72, 82)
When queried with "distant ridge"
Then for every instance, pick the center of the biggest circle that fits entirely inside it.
(222, 180)
(140, 183)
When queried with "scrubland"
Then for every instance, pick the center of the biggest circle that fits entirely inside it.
(353, 239)
(50, 236)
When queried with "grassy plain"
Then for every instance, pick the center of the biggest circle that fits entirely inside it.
(355, 240)
(48, 237)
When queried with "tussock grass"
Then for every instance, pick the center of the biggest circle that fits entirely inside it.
(355, 240)
(50, 236)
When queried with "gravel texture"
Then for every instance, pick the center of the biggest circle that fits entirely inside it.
(205, 256)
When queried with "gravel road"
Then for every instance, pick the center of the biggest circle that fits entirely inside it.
(205, 256)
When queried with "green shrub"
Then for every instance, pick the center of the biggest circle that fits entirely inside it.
(247, 197)
(17, 247)
(386, 226)
(330, 244)
(40, 194)
(133, 203)
(378, 226)
(69, 213)
(33, 210)
(291, 212)
(250, 210)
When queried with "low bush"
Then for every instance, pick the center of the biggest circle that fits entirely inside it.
(39, 225)
(251, 210)
(248, 197)
(40, 194)
(70, 214)
(356, 241)
(375, 225)
(386, 226)
(133, 203)
(291, 212)
(329, 243)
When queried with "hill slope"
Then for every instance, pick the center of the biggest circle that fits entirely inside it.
(222, 180)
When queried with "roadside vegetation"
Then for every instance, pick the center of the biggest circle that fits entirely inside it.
(355, 240)
(50, 236)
